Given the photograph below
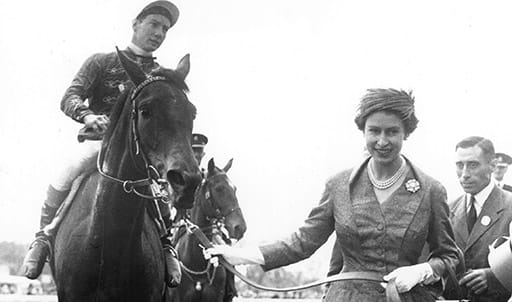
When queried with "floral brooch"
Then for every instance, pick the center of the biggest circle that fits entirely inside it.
(412, 185)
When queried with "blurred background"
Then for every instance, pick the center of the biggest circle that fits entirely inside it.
(276, 84)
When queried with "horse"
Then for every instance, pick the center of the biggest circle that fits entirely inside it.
(108, 247)
(217, 213)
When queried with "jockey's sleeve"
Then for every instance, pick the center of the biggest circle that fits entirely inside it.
(82, 88)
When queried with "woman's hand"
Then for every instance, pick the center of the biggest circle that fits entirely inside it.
(238, 255)
(406, 277)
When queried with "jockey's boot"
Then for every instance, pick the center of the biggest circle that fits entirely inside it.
(172, 264)
(40, 249)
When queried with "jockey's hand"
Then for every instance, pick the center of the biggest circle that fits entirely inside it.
(406, 277)
(476, 280)
(99, 123)
(238, 255)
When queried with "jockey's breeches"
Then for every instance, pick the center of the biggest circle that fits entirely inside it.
(81, 158)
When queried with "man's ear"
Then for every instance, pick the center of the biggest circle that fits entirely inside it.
(135, 22)
(493, 164)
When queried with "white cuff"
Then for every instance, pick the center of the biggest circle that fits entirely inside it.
(428, 273)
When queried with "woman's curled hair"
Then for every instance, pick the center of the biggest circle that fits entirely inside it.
(390, 100)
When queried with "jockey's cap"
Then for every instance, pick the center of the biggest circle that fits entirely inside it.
(161, 7)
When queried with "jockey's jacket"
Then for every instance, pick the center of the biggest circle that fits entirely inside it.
(100, 81)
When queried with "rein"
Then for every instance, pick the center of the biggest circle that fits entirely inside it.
(216, 226)
(154, 180)
(392, 294)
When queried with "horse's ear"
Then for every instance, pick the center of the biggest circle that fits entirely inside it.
(211, 166)
(228, 166)
(183, 66)
(131, 68)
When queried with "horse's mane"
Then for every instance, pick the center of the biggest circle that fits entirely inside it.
(117, 111)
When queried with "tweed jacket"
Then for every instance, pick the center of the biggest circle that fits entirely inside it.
(373, 237)
(100, 81)
(492, 222)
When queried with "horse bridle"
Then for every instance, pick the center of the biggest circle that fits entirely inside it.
(159, 186)
(216, 225)
(219, 216)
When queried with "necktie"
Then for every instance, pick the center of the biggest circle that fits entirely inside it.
(471, 216)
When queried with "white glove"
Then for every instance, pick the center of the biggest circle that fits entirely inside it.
(406, 277)
(238, 255)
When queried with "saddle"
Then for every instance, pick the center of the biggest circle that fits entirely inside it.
(88, 134)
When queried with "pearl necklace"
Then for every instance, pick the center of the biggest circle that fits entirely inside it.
(386, 184)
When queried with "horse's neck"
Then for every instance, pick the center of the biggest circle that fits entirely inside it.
(192, 252)
(123, 212)
(198, 217)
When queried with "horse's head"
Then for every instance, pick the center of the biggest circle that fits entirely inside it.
(162, 119)
(218, 200)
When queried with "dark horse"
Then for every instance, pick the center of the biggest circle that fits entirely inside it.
(108, 247)
(217, 213)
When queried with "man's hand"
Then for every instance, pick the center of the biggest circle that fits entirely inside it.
(99, 123)
(476, 280)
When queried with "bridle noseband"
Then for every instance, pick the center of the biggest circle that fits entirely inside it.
(159, 186)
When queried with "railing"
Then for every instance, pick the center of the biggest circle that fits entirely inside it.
(47, 298)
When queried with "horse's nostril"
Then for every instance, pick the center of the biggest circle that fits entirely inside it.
(175, 178)
(239, 231)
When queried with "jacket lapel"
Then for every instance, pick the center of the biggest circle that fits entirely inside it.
(414, 199)
(458, 220)
(492, 208)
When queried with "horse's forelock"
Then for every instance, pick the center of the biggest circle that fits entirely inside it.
(172, 76)
(175, 80)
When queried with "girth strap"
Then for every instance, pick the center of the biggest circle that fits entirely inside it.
(392, 294)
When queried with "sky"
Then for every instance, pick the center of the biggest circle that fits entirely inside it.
(276, 85)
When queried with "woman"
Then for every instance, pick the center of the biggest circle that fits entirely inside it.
(383, 213)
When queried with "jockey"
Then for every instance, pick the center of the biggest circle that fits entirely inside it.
(100, 81)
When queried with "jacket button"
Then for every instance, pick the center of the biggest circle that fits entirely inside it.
(380, 227)
(380, 289)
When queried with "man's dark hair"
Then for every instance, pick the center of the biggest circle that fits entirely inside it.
(481, 142)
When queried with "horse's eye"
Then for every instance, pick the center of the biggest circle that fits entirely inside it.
(145, 112)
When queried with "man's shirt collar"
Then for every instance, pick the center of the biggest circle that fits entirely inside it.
(480, 197)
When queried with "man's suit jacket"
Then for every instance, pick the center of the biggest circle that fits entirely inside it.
(498, 210)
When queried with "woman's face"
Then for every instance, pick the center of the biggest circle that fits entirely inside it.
(384, 134)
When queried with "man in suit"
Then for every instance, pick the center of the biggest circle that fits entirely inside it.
(502, 162)
(478, 217)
